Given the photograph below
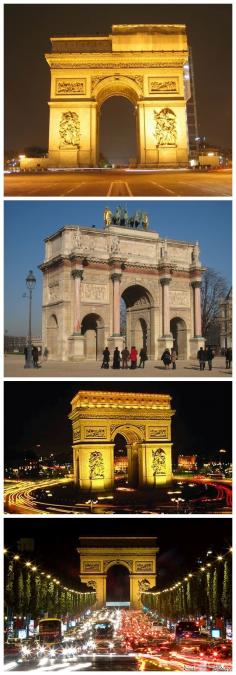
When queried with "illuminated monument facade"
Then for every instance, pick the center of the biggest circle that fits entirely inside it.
(144, 420)
(89, 273)
(148, 65)
(100, 556)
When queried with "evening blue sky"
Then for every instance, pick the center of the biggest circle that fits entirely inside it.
(28, 223)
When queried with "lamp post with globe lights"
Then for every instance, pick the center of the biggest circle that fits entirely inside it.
(30, 283)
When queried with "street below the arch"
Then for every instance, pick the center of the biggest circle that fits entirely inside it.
(136, 641)
(122, 182)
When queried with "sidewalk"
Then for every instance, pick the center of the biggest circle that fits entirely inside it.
(14, 367)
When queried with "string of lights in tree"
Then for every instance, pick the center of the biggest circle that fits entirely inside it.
(34, 568)
(204, 568)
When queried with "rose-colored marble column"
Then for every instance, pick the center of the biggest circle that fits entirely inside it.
(197, 308)
(116, 277)
(77, 276)
(165, 281)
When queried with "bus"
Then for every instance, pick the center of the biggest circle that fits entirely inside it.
(103, 630)
(50, 630)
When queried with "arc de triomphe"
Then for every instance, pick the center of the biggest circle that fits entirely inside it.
(148, 65)
(137, 555)
(144, 421)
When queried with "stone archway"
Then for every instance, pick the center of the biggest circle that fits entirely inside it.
(139, 305)
(145, 422)
(178, 329)
(114, 150)
(92, 328)
(148, 64)
(52, 336)
(120, 88)
(100, 555)
(118, 585)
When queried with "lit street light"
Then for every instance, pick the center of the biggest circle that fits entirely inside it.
(30, 283)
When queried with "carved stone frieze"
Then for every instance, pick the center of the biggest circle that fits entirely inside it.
(95, 293)
(96, 465)
(158, 462)
(69, 129)
(157, 432)
(165, 128)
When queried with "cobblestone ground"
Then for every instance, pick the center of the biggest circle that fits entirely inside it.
(14, 367)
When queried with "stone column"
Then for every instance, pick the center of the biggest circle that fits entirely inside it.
(77, 276)
(116, 277)
(197, 308)
(165, 281)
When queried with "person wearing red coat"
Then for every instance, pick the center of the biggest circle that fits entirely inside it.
(133, 357)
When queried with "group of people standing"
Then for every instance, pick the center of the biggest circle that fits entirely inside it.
(121, 358)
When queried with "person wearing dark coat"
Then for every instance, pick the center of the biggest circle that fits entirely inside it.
(228, 357)
(35, 355)
(116, 359)
(209, 357)
(106, 358)
(143, 357)
(166, 358)
(125, 357)
(201, 355)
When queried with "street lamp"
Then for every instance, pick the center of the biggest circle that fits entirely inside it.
(30, 283)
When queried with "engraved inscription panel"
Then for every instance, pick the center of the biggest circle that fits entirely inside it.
(157, 432)
(70, 86)
(179, 298)
(95, 432)
(163, 85)
(94, 293)
(144, 566)
(91, 566)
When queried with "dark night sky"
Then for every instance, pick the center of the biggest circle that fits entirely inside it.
(36, 413)
(181, 541)
(27, 32)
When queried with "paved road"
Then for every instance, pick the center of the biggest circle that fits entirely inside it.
(14, 367)
(127, 183)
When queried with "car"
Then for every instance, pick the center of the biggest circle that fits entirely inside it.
(186, 629)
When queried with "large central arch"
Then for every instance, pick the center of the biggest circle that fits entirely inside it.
(118, 585)
(139, 316)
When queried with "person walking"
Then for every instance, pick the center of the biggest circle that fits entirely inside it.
(143, 356)
(116, 359)
(201, 355)
(125, 357)
(106, 358)
(209, 356)
(173, 358)
(228, 357)
(45, 353)
(166, 358)
(133, 357)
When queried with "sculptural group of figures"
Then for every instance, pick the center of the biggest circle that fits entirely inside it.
(121, 218)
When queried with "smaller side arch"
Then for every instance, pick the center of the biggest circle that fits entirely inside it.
(52, 332)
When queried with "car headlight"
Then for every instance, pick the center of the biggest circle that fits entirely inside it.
(26, 651)
(52, 652)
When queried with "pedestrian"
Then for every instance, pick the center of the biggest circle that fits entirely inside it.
(125, 357)
(143, 356)
(228, 357)
(35, 355)
(25, 353)
(173, 358)
(116, 359)
(166, 358)
(45, 353)
(106, 358)
(133, 357)
(201, 355)
(209, 356)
